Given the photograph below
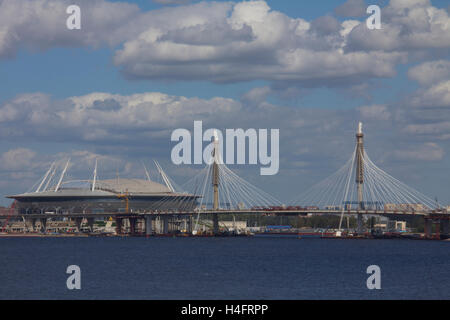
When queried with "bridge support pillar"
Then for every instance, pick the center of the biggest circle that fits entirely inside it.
(165, 222)
(189, 225)
(78, 222)
(187, 222)
(33, 224)
(119, 226)
(43, 225)
(360, 225)
(215, 224)
(438, 230)
(25, 224)
(157, 224)
(91, 224)
(428, 228)
(132, 226)
(445, 227)
(148, 226)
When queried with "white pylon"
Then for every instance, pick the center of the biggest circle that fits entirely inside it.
(62, 175)
(146, 172)
(95, 176)
(217, 155)
(45, 177)
(164, 176)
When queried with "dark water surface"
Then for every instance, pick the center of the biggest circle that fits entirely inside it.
(223, 268)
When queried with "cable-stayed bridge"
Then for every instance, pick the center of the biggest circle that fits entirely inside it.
(359, 188)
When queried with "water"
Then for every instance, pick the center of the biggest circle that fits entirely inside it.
(223, 268)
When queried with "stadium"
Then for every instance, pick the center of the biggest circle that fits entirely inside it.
(100, 196)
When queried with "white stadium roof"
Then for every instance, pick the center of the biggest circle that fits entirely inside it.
(131, 186)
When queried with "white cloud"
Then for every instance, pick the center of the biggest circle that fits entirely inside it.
(22, 169)
(375, 112)
(224, 42)
(250, 41)
(426, 152)
(351, 8)
(172, 1)
(41, 24)
(20, 158)
(257, 95)
(122, 130)
(230, 42)
(406, 25)
(431, 72)
(142, 122)
(437, 95)
(435, 129)
(99, 116)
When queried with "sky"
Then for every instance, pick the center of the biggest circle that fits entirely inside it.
(137, 70)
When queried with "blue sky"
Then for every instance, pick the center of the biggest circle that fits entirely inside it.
(64, 72)
(390, 87)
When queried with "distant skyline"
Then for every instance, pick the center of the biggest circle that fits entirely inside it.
(137, 70)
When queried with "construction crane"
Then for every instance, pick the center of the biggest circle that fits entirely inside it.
(125, 197)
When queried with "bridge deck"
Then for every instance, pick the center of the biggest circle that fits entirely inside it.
(236, 212)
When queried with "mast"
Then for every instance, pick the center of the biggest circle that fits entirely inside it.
(360, 173)
(45, 177)
(164, 176)
(215, 168)
(50, 179)
(62, 175)
(95, 176)
(215, 182)
(146, 172)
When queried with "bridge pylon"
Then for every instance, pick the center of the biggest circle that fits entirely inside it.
(215, 183)
(360, 174)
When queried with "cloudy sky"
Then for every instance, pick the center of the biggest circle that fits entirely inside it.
(137, 70)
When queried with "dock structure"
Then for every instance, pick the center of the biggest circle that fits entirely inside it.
(165, 223)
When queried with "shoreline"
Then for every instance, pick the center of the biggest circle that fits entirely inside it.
(297, 235)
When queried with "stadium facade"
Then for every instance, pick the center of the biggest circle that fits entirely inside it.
(105, 196)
